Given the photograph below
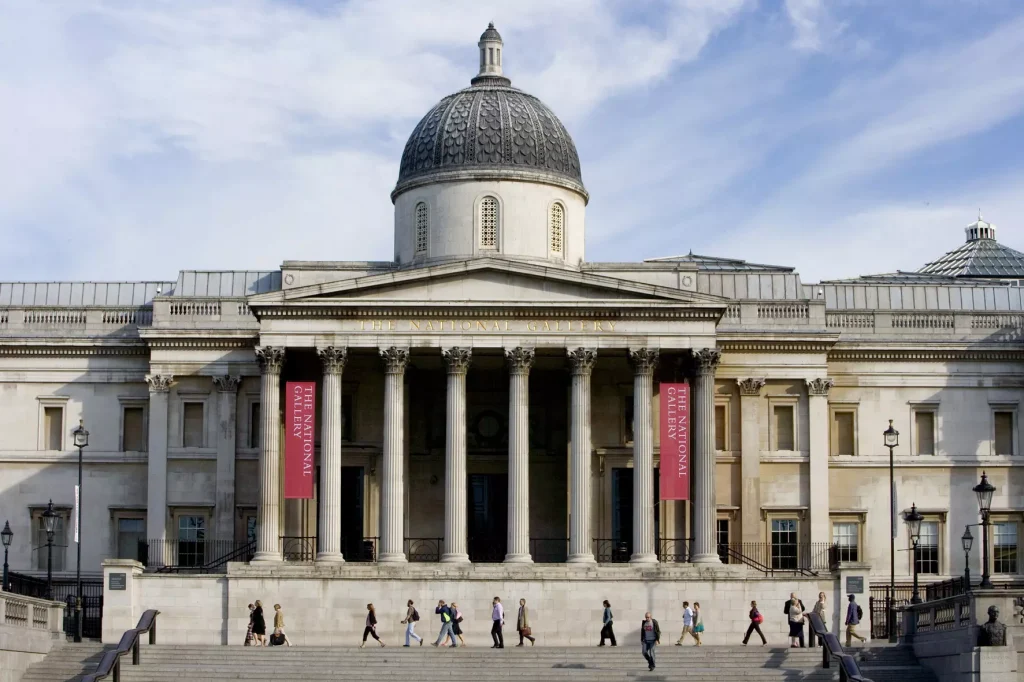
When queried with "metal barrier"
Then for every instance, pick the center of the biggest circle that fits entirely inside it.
(110, 664)
(849, 671)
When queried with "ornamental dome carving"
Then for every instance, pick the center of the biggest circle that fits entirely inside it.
(490, 131)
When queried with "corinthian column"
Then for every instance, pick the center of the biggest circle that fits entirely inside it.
(750, 457)
(519, 362)
(817, 408)
(581, 362)
(457, 360)
(704, 550)
(392, 516)
(227, 399)
(268, 515)
(156, 519)
(329, 529)
(643, 360)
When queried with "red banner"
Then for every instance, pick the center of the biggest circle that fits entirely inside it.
(300, 425)
(675, 442)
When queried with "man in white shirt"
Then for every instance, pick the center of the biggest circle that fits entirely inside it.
(687, 624)
(498, 617)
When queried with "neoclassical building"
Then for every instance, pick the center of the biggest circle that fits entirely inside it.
(490, 396)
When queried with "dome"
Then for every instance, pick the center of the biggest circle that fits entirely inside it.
(490, 131)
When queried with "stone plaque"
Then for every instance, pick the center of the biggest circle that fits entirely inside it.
(118, 581)
(854, 584)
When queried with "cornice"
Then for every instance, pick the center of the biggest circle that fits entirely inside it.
(924, 354)
(203, 344)
(614, 311)
(73, 351)
(774, 346)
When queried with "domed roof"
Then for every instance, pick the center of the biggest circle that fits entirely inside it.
(490, 130)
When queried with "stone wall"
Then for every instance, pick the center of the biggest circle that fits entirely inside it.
(29, 629)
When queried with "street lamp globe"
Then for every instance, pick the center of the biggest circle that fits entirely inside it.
(984, 492)
(49, 521)
(892, 436)
(81, 435)
(7, 535)
(967, 540)
(913, 519)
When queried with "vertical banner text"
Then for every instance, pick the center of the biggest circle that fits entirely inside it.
(675, 442)
(300, 432)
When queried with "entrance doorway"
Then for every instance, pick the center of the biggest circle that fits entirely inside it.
(488, 517)
(620, 547)
(353, 545)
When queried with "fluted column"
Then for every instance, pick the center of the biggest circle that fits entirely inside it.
(581, 363)
(519, 362)
(392, 506)
(328, 533)
(156, 519)
(268, 547)
(457, 361)
(643, 361)
(704, 549)
(227, 401)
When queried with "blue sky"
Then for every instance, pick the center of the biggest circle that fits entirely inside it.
(841, 137)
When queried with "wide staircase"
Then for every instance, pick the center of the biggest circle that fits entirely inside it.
(195, 663)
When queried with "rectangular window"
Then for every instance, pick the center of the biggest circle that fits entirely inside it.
(782, 421)
(846, 538)
(53, 428)
(842, 432)
(784, 543)
(721, 426)
(192, 425)
(928, 548)
(60, 541)
(130, 533)
(924, 433)
(722, 538)
(133, 434)
(1004, 432)
(254, 425)
(1004, 547)
(191, 540)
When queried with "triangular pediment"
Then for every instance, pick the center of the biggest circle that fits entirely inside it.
(487, 280)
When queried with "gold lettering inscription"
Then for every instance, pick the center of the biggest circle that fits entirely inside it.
(490, 326)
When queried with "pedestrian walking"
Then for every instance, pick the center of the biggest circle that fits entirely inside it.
(412, 616)
(853, 616)
(445, 614)
(650, 637)
(523, 624)
(259, 624)
(498, 620)
(249, 637)
(457, 624)
(796, 623)
(607, 620)
(698, 623)
(819, 610)
(279, 626)
(755, 624)
(371, 626)
(687, 624)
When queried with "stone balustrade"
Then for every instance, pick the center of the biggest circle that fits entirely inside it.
(190, 313)
(68, 321)
(29, 629)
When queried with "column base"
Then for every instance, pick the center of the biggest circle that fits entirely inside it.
(267, 557)
(581, 559)
(330, 558)
(645, 558)
(712, 558)
(392, 558)
(455, 558)
(518, 558)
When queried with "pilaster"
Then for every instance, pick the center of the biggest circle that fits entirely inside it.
(750, 458)
(227, 404)
(817, 396)
(156, 501)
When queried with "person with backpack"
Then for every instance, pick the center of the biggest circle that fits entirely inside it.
(853, 616)
(457, 624)
(607, 621)
(755, 624)
(371, 626)
(412, 616)
(445, 614)
(279, 636)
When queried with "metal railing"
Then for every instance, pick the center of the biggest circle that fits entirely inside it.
(65, 590)
(193, 556)
(110, 664)
(674, 550)
(849, 671)
(612, 550)
(805, 558)
(427, 550)
(298, 547)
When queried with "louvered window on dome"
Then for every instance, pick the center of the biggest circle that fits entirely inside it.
(489, 223)
(557, 228)
(422, 227)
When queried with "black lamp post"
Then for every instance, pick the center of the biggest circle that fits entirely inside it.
(49, 521)
(892, 439)
(984, 492)
(81, 441)
(967, 540)
(7, 536)
(914, 519)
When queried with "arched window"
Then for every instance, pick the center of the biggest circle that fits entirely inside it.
(556, 229)
(489, 223)
(422, 227)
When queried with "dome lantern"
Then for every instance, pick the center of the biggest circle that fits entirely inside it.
(491, 47)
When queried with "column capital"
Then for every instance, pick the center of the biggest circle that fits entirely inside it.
(271, 358)
(333, 359)
(159, 383)
(707, 360)
(226, 383)
(457, 359)
(643, 360)
(819, 386)
(395, 359)
(750, 386)
(581, 360)
(520, 359)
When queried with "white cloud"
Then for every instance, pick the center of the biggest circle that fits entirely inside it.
(813, 25)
